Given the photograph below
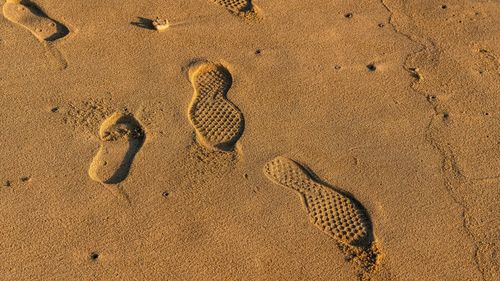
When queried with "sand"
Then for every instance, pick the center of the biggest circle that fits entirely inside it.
(262, 140)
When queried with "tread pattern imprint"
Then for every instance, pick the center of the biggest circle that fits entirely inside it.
(218, 123)
(242, 8)
(334, 213)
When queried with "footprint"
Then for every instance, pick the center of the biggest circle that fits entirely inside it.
(31, 17)
(122, 136)
(242, 8)
(218, 123)
(334, 213)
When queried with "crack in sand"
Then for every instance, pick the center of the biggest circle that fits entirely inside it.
(453, 178)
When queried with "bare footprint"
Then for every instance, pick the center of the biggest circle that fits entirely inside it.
(122, 136)
(218, 123)
(336, 214)
(31, 17)
(243, 8)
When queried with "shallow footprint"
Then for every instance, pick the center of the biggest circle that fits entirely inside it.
(122, 136)
(242, 8)
(31, 17)
(218, 123)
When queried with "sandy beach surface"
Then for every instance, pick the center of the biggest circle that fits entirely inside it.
(249, 140)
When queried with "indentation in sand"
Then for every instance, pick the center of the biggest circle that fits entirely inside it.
(338, 215)
(218, 123)
(242, 8)
(31, 17)
(122, 136)
(46, 29)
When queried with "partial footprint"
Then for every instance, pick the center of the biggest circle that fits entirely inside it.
(243, 8)
(218, 123)
(336, 214)
(31, 17)
(122, 136)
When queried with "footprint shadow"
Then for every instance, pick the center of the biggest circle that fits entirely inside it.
(124, 167)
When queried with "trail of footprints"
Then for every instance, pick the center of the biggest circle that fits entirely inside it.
(218, 125)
